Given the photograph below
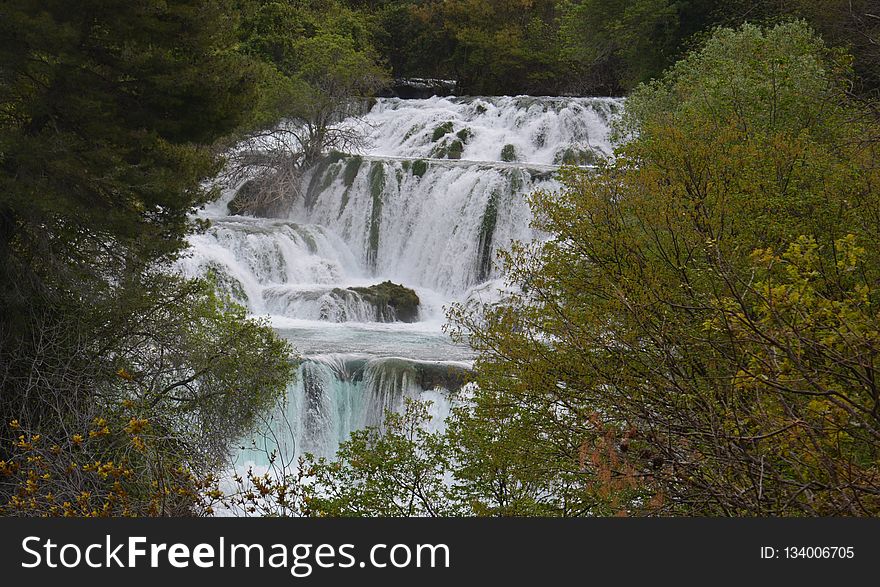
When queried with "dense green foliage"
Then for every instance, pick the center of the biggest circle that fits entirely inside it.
(319, 54)
(121, 384)
(587, 46)
(320, 67)
(396, 471)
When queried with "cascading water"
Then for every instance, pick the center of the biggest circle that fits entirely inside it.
(440, 189)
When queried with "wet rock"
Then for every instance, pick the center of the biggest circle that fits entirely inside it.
(508, 153)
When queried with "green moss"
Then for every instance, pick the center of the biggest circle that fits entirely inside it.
(377, 186)
(456, 148)
(311, 244)
(419, 167)
(334, 157)
(441, 131)
(464, 135)
(413, 130)
(508, 153)
(349, 173)
(343, 203)
(516, 181)
(487, 232)
(402, 302)
(225, 283)
(327, 179)
(577, 156)
(322, 176)
(351, 170)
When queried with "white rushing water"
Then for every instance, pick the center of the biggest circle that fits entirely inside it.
(440, 189)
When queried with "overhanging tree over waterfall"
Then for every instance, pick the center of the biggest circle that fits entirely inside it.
(322, 81)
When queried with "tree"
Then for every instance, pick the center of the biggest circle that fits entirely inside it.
(323, 71)
(854, 25)
(333, 83)
(132, 414)
(396, 471)
(488, 46)
(108, 115)
(613, 46)
(106, 120)
(703, 320)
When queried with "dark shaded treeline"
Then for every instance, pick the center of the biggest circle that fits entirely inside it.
(589, 46)
(120, 384)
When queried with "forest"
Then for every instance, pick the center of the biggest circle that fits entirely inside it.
(697, 335)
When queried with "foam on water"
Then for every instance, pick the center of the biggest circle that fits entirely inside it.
(540, 128)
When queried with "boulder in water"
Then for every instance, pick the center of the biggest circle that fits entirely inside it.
(393, 301)
(441, 131)
(419, 167)
(240, 202)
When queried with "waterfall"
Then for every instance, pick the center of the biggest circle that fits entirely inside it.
(336, 394)
(423, 222)
(440, 188)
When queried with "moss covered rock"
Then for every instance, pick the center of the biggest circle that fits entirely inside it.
(508, 153)
(455, 149)
(377, 186)
(441, 131)
(393, 301)
(577, 156)
(419, 167)
(351, 169)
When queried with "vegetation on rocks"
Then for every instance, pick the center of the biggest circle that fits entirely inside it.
(393, 301)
